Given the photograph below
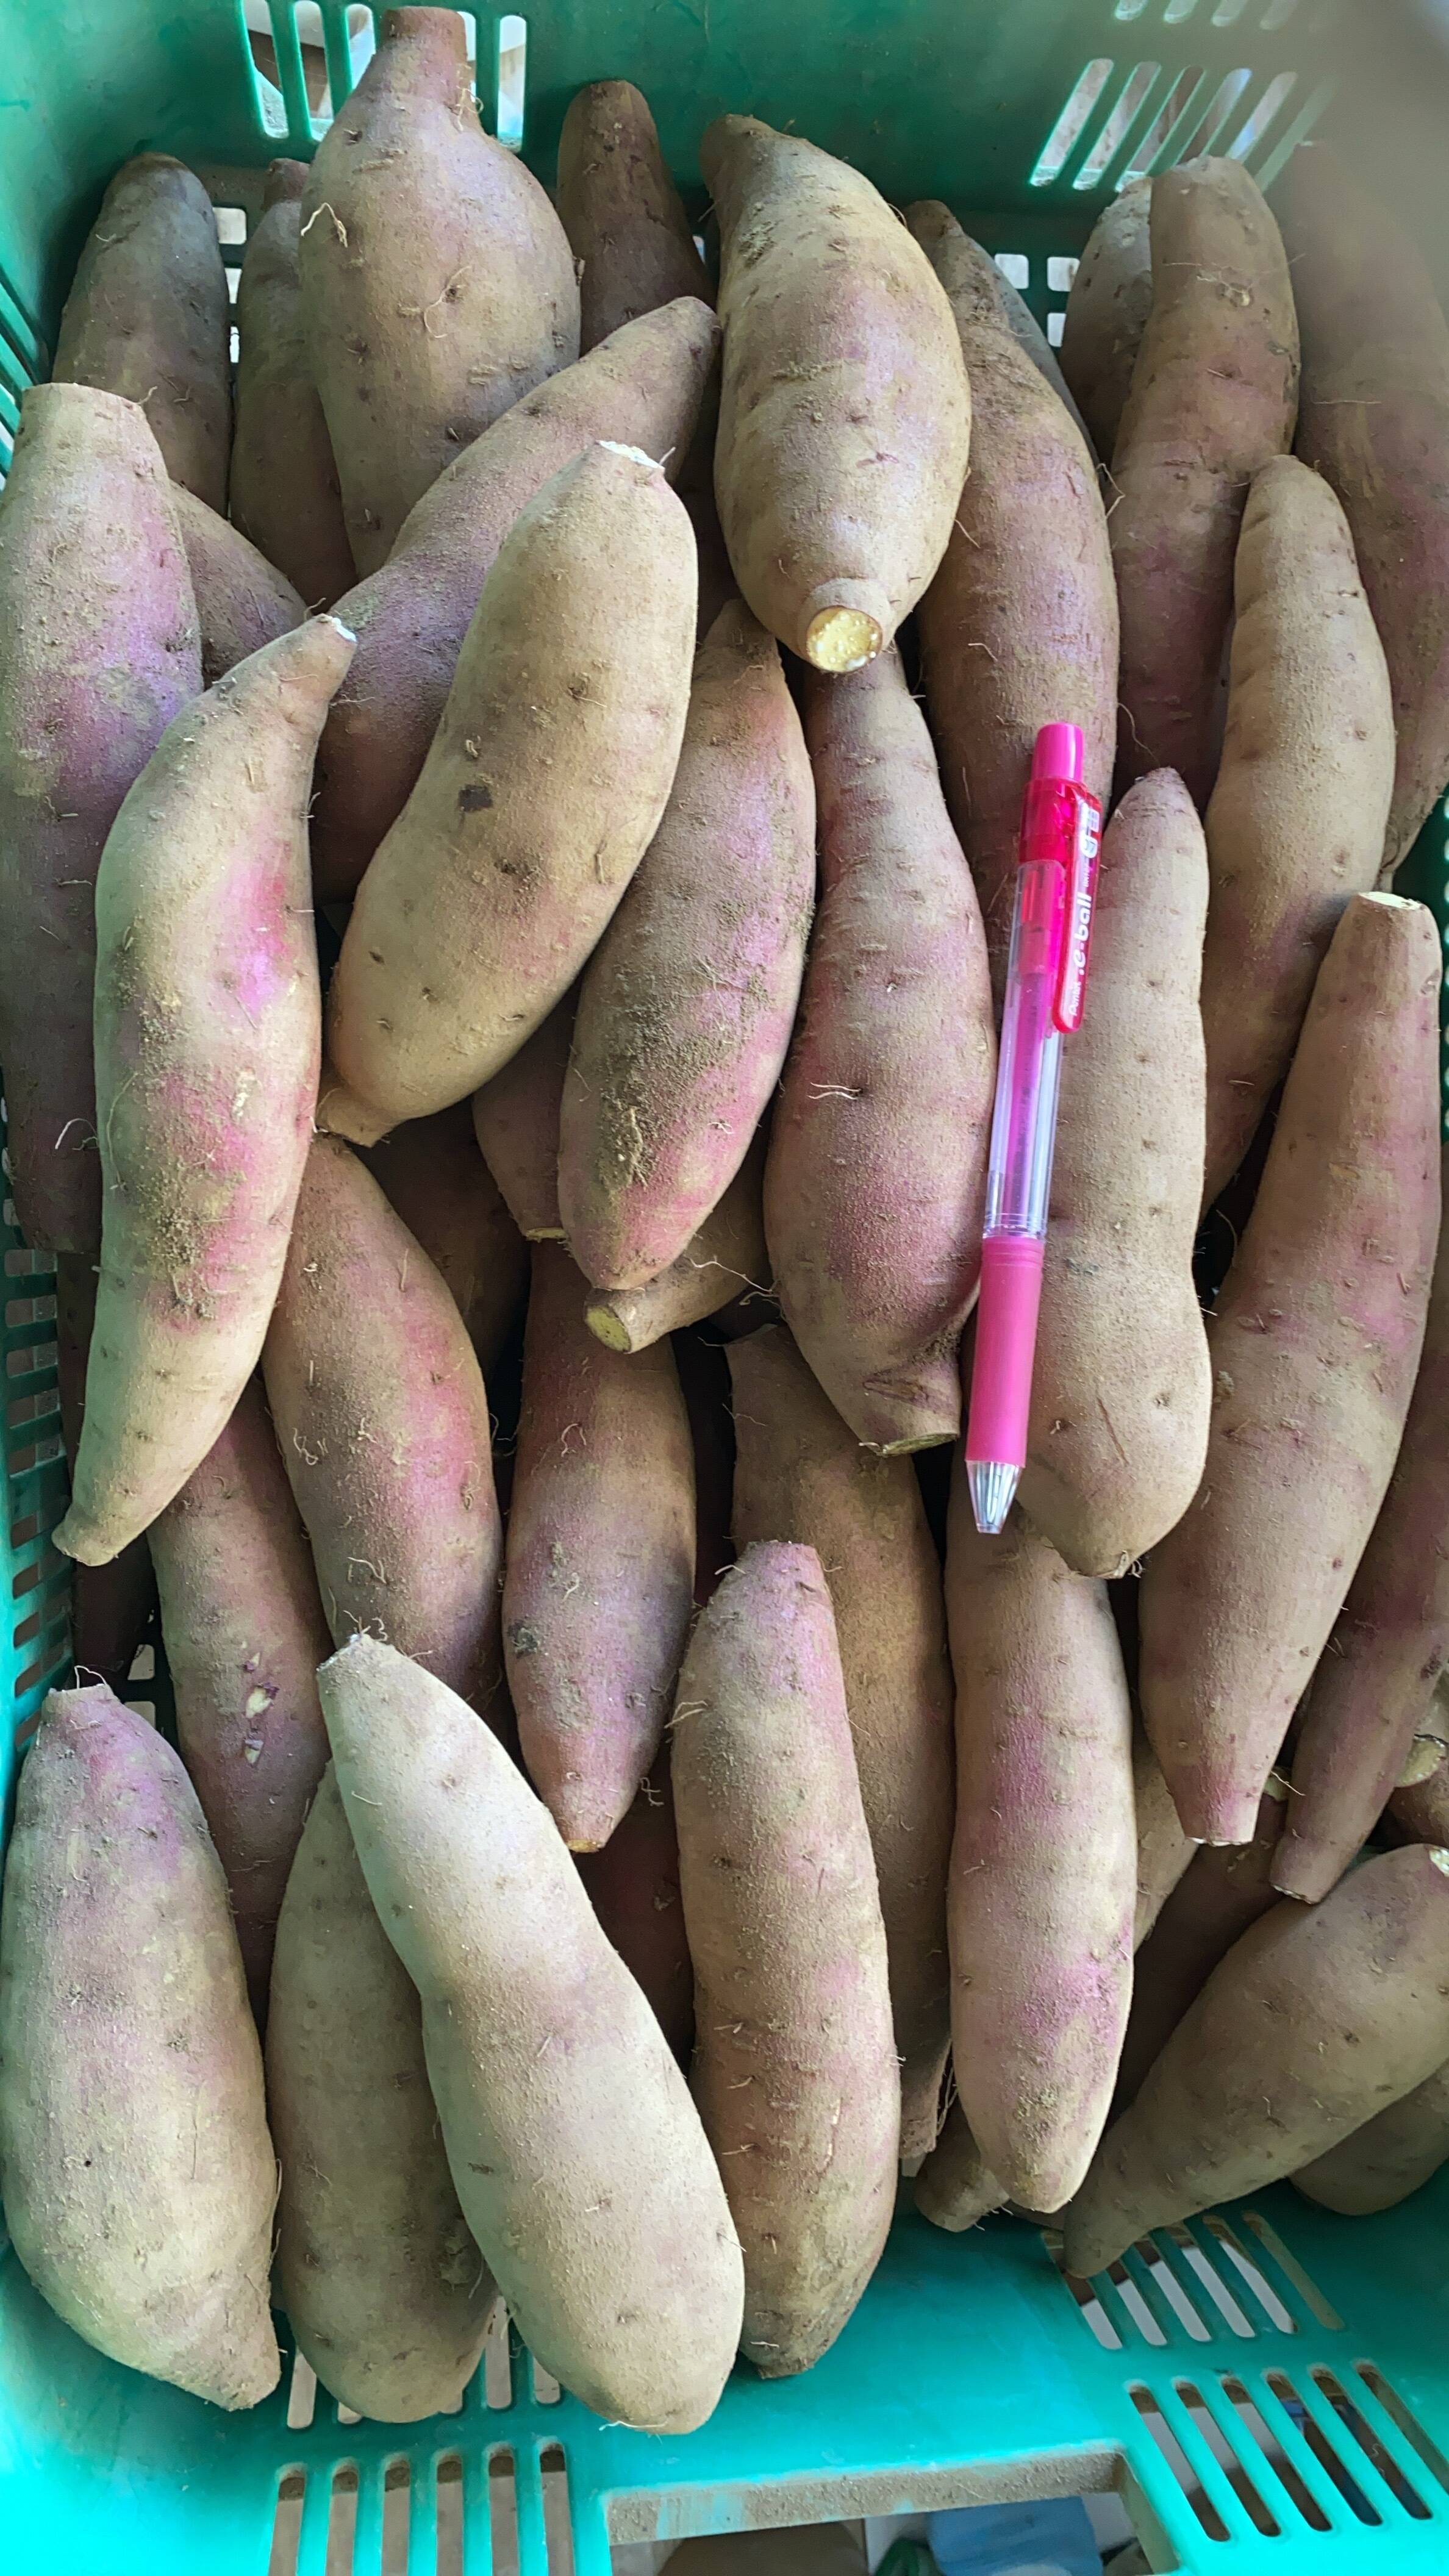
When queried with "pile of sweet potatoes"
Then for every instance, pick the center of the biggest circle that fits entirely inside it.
(509, 806)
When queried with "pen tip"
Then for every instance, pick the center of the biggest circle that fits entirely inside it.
(993, 1489)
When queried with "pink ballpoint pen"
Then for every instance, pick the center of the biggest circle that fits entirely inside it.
(1046, 979)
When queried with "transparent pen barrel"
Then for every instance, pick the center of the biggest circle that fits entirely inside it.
(1023, 1127)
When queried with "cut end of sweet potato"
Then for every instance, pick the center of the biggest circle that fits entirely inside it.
(1425, 1756)
(842, 639)
(608, 1327)
(544, 1234)
(1440, 1858)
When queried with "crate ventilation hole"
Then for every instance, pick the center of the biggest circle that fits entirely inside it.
(306, 58)
(1195, 116)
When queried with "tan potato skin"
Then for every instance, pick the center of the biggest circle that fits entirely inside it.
(437, 285)
(630, 236)
(1044, 1858)
(1122, 1389)
(1315, 1345)
(724, 1260)
(1391, 2156)
(845, 413)
(545, 784)
(578, 2157)
(207, 1043)
(139, 2178)
(1295, 822)
(148, 317)
(432, 1173)
(382, 1419)
(1107, 308)
(1163, 1849)
(1214, 394)
(794, 2067)
(1019, 626)
(800, 1475)
(1418, 1811)
(285, 491)
(242, 601)
(876, 1180)
(1317, 2019)
(1218, 1895)
(111, 1605)
(954, 2188)
(388, 2295)
(516, 1122)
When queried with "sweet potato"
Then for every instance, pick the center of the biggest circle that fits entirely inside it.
(285, 491)
(704, 1375)
(207, 1048)
(723, 1260)
(632, 241)
(1418, 1811)
(642, 388)
(244, 1634)
(148, 317)
(1314, 1345)
(98, 651)
(1295, 822)
(954, 2188)
(516, 1122)
(686, 1006)
(544, 786)
(633, 1886)
(1044, 1858)
(111, 1605)
(242, 601)
(1122, 1390)
(1163, 1849)
(1391, 2156)
(794, 2070)
(1214, 394)
(434, 1176)
(1219, 1894)
(383, 1424)
(388, 2295)
(1107, 309)
(1374, 420)
(876, 1179)
(599, 1579)
(137, 2170)
(800, 1475)
(578, 2158)
(845, 413)
(1019, 627)
(1375, 1682)
(1318, 2018)
(1033, 339)
(437, 285)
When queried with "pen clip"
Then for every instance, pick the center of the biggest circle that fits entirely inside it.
(1070, 995)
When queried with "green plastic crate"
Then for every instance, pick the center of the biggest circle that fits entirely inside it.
(1269, 2390)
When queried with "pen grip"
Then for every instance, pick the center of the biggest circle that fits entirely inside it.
(1011, 1268)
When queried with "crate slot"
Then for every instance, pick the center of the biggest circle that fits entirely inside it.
(1148, 2326)
(1374, 2451)
(1228, 12)
(1177, 12)
(1322, 2448)
(1094, 2315)
(1177, 2460)
(1263, 116)
(558, 2520)
(1175, 108)
(287, 2523)
(1224, 2450)
(347, 2415)
(1127, 10)
(1015, 267)
(1205, 136)
(1170, 2289)
(301, 2394)
(1288, 2264)
(1208, 2278)
(342, 2519)
(1070, 126)
(1421, 2443)
(1276, 15)
(21, 1263)
(20, 1311)
(503, 2512)
(397, 2496)
(546, 2390)
(497, 2371)
(1140, 83)
(448, 2516)
(1285, 2470)
(512, 81)
(1061, 274)
(26, 1359)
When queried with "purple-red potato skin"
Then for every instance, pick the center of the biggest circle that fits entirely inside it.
(545, 785)
(242, 601)
(1214, 394)
(1122, 1388)
(1390, 2156)
(138, 2174)
(386, 2292)
(243, 1628)
(1044, 1859)
(599, 1580)
(382, 1421)
(1295, 822)
(633, 1886)
(207, 1032)
(1107, 309)
(1314, 1345)
(1019, 627)
(954, 2188)
(1374, 420)
(437, 284)
(1374, 1686)
(794, 2070)
(1318, 2018)
(724, 1260)
(432, 1173)
(632, 241)
(643, 388)
(799, 1474)
(285, 491)
(876, 1180)
(704, 1376)
(686, 1006)
(1218, 1895)
(98, 651)
(148, 317)
(516, 1121)
(1163, 1849)
(579, 2160)
(111, 1605)
(845, 412)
